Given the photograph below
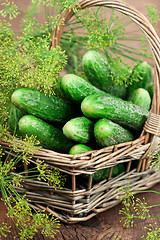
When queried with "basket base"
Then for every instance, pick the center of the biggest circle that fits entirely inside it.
(82, 205)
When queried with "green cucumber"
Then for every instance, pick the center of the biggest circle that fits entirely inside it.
(124, 113)
(108, 133)
(151, 90)
(77, 88)
(99, 73)
(15, 115)
(140, 77)
(79, 148)
(121, 168)
(79, 129)
(49, 108)
(141, 97)
(103, 174)
(48, 136)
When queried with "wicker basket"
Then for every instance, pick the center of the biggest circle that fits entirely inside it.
(81, 201)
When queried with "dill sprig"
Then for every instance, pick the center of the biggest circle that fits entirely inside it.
(136, 208)
(153, 13)
(25, 217)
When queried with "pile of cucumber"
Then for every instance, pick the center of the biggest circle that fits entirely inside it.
(96, 113)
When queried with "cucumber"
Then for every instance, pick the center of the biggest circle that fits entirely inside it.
(79, 148)
(124, 113)
(108, 133)
(141, 97)
(48, 136)
(103, 174)
(151, 90)
(79, 129)
(49, 108)
(77, 88)
(121, 168)
(140, 77)
(99, 73)
(15, 115)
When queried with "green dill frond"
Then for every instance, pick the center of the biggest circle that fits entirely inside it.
(153, 13)
(27, 63)
(128, 209)
(31, 65)
(101, 32)
(121, 70)
(6, 33)
(10, 9)
(27, 219)
(153, 232)
(47, 223)
(155, 159)
(4, 229)
(141, 208)
(21, 208)
(54, 177)
(25, 148)
(135, 208)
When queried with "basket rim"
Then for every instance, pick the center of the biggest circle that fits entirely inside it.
(91, 161)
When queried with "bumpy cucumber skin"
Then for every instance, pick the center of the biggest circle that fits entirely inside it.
(79, 148)
(48, 136)
(77, 88)
(49, 108)
(141, 97)
(124, 113)
(143, 73)
(99, 73)
(79, 129)
(15, 115)
(108, 133)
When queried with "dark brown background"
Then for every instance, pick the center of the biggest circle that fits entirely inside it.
(106, 225)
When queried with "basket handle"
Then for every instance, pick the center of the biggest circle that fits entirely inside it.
(135, 16)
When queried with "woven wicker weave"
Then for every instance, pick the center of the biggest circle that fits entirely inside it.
(81, 201)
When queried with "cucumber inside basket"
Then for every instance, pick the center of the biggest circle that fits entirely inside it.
(100, 136)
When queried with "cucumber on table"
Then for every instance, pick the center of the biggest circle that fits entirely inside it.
(108, 133)
(48, 136)
(124, 113)
(140, 77)
(99, 73)
(79, 129)
(49, 108)
(141, 97)
(77, 88)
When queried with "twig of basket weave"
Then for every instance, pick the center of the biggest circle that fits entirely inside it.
(152, 124)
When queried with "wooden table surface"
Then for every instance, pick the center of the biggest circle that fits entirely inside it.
(104, 226)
